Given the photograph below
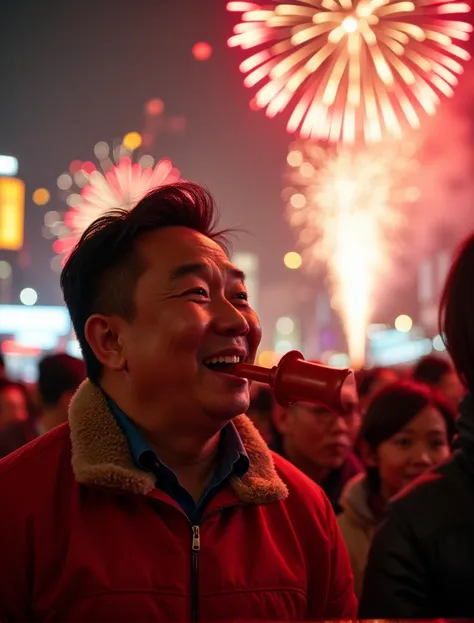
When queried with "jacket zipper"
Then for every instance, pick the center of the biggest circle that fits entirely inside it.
(195, 547)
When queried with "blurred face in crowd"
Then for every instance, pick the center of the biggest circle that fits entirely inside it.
(420, 445)
(383, 378)
(315, 435)
(13, 405)
(452, 389)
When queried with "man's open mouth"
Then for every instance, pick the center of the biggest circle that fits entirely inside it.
(223, 363)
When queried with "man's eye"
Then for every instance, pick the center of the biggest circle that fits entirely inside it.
(243, 296)
(198, 292)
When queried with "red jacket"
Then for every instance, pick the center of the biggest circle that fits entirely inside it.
(86, 536)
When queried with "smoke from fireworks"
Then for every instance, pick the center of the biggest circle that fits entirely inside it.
(352, 68)
(349, 208)
(90, 191)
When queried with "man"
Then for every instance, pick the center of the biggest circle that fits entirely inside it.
(158, 501)
(439, 373)
(319, 441)
(59, 376)
(14, 404)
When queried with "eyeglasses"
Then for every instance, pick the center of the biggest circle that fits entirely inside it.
(326, 416)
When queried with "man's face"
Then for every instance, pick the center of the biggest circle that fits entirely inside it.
(191, 307)
(319, 435)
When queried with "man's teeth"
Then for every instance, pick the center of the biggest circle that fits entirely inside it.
(226, 359)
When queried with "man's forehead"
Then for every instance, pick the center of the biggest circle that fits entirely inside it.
(176, 242)
(180, 251)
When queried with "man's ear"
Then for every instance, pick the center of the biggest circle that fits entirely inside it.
(368, 454)
(103, 334)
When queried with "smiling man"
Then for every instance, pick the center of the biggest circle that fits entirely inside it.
(159, 500)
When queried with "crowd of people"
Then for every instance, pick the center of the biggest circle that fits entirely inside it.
(28, 412)
(146, 494)
(364, 457)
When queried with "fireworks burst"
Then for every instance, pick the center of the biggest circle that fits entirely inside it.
(353, 68)
(91, 191)
(347, 207)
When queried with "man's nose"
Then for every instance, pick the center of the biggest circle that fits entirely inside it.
(340, 424)
(228, 320)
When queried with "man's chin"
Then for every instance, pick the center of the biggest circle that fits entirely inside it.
(335, 462)
(227, 409)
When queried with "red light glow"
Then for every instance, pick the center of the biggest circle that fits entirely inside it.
(202, 51)
(75, 166)
(154, 107)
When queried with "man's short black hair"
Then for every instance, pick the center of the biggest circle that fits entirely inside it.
(101, 273)
(431, 369)
(58, 374)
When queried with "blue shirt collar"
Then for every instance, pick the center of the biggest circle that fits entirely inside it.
(232, 454)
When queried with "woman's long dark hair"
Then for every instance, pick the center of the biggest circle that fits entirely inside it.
(456, 313)
(392, 409)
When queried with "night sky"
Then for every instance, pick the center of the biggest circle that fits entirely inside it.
(74, 73)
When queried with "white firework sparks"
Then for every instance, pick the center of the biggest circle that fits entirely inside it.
(348, 208)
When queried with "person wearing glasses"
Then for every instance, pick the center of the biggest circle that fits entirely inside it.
(320, 441)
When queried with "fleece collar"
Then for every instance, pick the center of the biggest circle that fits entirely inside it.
(101, 456)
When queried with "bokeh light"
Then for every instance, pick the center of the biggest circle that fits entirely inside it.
(8, 165)
(50, 218)
(268, 358)
(298, 200)
(403, 323)
(438, 344)
(101, 150)
(154, 107)
(87, 167)
(146, 161)
(292, 260)
(41, 196)
(132, 140)
(75, 166)
(294, 158)
(28, 296)
(202, 51)
(56, 263)
(5, 269)
(64, 181)
(285, 325)
(283, 346)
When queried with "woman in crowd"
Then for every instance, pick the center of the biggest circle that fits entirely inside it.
(406, 431)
